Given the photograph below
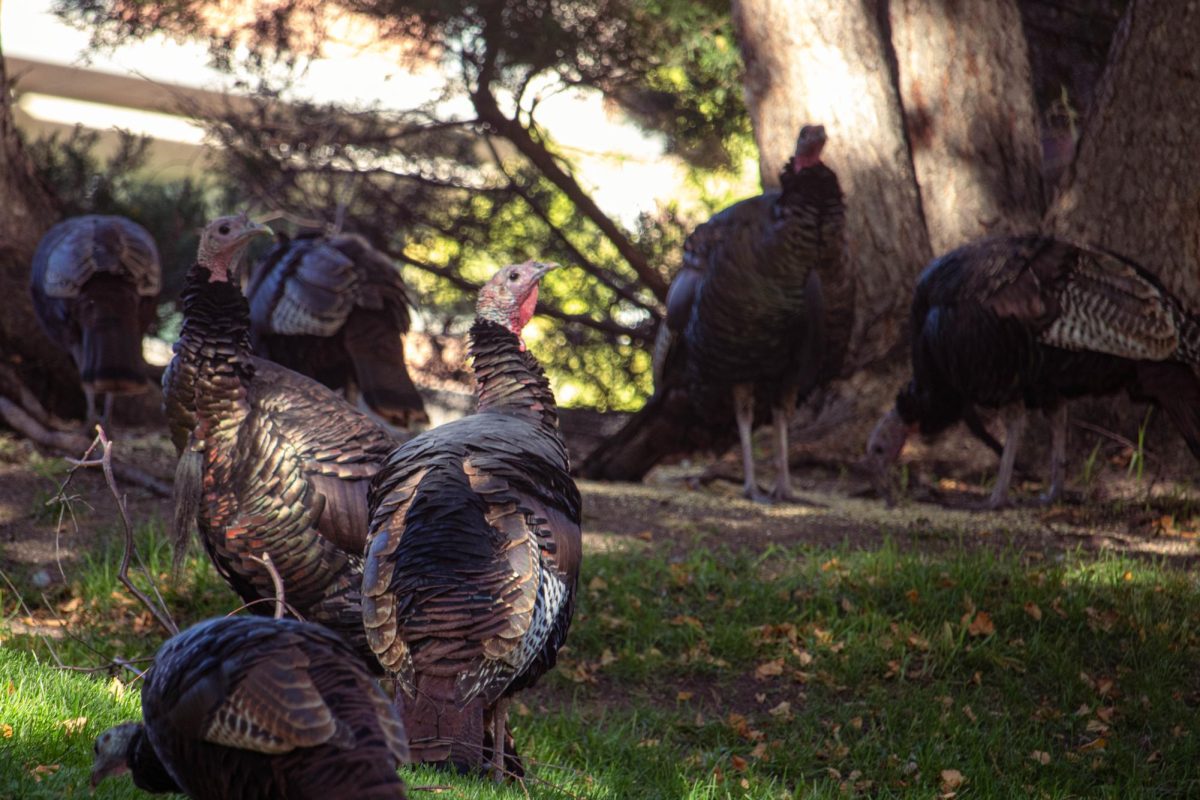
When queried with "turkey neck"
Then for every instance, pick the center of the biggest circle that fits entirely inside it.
(145, 767)
(507, 379)
(813, 214)
(215, 342)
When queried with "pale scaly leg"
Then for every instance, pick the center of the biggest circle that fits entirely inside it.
(1012, 441)
(89, 420)
(1058, 455)
(781, 417)
(743, 407)
(499, 725)
(106, 415)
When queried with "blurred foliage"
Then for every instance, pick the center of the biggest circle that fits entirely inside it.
(451, 195)
(85, 183)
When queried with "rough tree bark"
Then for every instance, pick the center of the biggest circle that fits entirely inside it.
(968, 104)
(828, 63)
(1133, 184)
(28, 209)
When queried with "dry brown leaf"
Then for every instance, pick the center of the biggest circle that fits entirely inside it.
(769, 669)
(42, 770)
(738, 763)
(684, 619)
(648, 743)
(759, 752)
(6, 731)
(683, 696)
(1040, 756)
(72, 726)
(952, 779)
(1095, 744)
(597, 584)
(1033, 611)
(607, 657)
(982, 625)
(784, 709)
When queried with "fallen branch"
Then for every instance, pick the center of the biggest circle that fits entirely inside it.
(24, 423)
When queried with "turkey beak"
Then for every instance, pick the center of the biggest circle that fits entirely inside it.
(542, 267)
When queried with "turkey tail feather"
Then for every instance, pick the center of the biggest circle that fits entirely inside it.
(439, 731)
(111, 351)
(377, 351)
(186, 494)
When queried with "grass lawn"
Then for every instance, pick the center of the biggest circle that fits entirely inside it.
(710, 672)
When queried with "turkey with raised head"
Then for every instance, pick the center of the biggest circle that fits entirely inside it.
(759, 315)
(261, 709)
(95, 282)
(334, 308)
(474, 547)
(272, 463)
(1023, 322)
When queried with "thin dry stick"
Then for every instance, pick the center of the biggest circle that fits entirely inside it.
(159, 613)
(275, 579)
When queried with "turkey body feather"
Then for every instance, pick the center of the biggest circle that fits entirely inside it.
(95, 282)
(473, 557)
(335, 309)
(245, 707)
(272, 463)
(759, 314)
(1031, 322)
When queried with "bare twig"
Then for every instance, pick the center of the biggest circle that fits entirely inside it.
(106, 462)
(280, 604)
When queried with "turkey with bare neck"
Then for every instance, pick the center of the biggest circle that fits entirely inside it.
(759, 315)
(272, 463)
(474, 547)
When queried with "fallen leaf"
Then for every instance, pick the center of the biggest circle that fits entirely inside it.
(1105, 713)
(759, 751)
(522, 709)
(648, 743)
(683, 619)
(72, 726)
(982, 625)
(607, 657)
(913, 596)
(769, 669)
(597, 584)
(42, 770)
(1033, 611)
(738, 763)
(6, 731)
(1040, 756)
(784, 709)
(804, 657)
(683, 697)
(1095, 744)
(952, 779)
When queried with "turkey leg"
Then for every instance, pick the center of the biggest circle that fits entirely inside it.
(499, 725)
(1058, 454)
(1012, 441)
(781, 417)
(743, 409)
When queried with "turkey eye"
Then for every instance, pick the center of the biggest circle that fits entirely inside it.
(224, 229)
(512, 276)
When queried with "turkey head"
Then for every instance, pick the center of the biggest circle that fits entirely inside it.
(111, 751)
(510, 297)
(809, 145)
(883, 450)
(223, 243)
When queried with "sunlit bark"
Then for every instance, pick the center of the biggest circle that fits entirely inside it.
(1134, 184)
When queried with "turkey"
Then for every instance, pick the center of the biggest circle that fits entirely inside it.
(271, 462)
(759, 315)
(335, 309)
(95, 282)
(246, 707)
(1030, 322)
(474, 547)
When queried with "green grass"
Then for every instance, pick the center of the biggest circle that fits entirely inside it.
(790, 673)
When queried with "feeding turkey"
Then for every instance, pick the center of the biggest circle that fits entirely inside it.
(758, 316)
(474, 547)
(335, 309)
(271, 462)
(1030, 322)
(95, 282)
(245, 707)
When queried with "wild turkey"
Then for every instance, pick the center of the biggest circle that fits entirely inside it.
(1029, 322)
(474, 547)
(272, 462)
(95, 282)
(759, 314)
(246, 707)
(334, 308)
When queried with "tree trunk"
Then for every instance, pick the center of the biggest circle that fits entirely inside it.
(1133, 185)
(28, 210)
(828, 63)
(969, 109)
